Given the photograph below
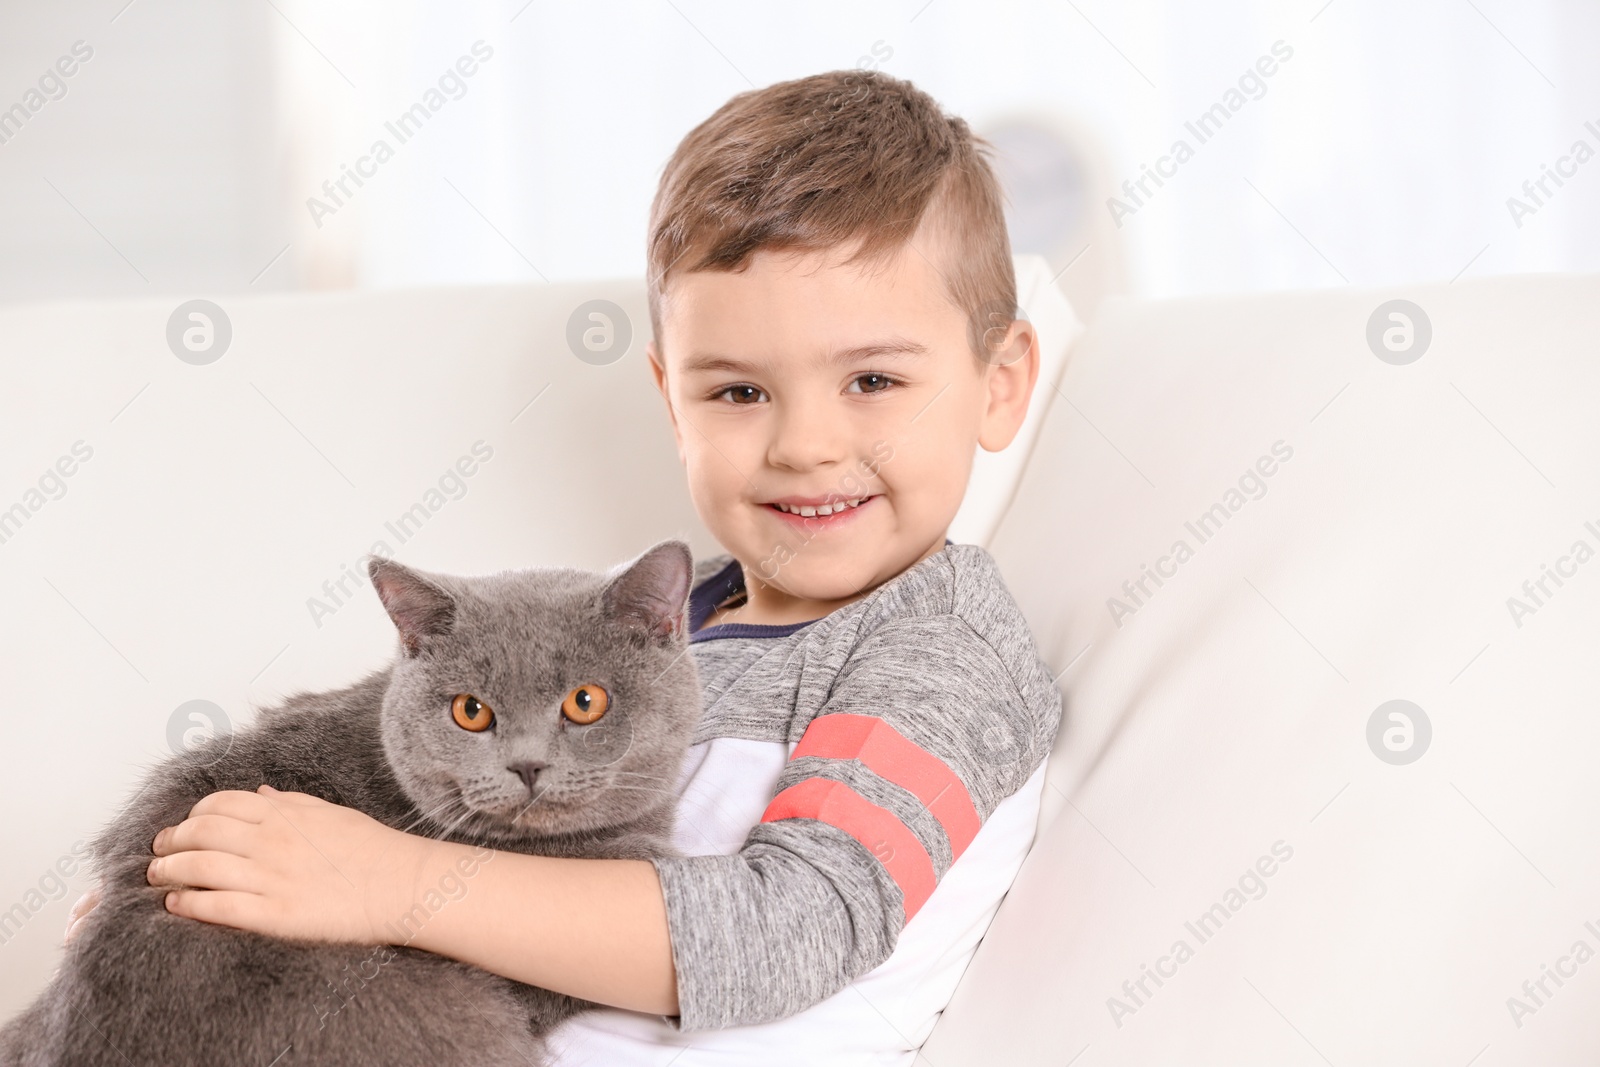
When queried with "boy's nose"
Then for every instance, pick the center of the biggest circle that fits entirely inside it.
(803, 440)
(528, 771)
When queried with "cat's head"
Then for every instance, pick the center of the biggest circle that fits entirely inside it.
(540, 702)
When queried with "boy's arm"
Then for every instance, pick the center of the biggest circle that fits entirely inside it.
(912, 752)
(595, 929)
(924, 733)
(292, 865)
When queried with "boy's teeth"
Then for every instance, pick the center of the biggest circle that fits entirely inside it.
(809, 511)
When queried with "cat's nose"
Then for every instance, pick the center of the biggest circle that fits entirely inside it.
(528, 771)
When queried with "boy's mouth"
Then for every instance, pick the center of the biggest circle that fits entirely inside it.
(817, 513)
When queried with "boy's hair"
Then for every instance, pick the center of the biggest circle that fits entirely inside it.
(812, 163)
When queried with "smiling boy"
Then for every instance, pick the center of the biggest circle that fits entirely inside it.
(833, 305)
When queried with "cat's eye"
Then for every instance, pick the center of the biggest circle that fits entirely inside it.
(585, 704)
(470, 713)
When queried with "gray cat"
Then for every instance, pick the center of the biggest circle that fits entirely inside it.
(543, 711)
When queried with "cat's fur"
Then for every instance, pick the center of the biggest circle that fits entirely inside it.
(141, 986)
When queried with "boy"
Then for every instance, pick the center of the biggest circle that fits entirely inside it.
(832, 299)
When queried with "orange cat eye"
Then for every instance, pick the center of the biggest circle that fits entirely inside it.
(470, 713)
(585, 704)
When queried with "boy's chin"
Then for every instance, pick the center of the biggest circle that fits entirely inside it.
(841, 569)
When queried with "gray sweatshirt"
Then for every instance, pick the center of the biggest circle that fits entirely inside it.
(917, 709)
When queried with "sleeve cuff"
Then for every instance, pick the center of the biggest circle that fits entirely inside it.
(698, 905)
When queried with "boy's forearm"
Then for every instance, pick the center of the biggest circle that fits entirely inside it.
(595, 929)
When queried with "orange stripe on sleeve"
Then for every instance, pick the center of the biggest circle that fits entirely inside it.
(896, 758)
(883, 834)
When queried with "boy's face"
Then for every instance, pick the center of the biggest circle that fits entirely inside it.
(806, 383)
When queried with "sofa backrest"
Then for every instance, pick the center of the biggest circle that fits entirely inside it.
(1320, 573)
(184, 504)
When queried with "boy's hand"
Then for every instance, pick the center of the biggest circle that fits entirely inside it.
(287, 865)
(84, 906)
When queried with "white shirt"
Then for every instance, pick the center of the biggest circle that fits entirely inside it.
(881, 1018)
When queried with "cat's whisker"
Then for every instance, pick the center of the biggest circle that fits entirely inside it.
(434, 819)
(447, 831)
(648, 789)
(427, 815)
(531, 802)
(423, 817)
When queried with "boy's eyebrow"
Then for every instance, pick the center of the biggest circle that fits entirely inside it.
(892, 347)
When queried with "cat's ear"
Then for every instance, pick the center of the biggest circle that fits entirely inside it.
(419, 608)
(651, 593)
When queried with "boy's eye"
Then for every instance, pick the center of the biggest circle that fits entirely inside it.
(741, 394)
(872, 383)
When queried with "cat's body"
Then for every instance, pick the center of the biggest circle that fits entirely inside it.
(141, 986)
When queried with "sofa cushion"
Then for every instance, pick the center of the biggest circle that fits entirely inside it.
(1325, 789)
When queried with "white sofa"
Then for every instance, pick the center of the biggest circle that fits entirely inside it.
(1213, 783)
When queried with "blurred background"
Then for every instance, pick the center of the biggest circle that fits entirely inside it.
(155, 152)
(202, 148)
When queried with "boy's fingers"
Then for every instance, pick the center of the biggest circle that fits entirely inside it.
(202, 870)
(221, 833)
(238, 804)
(85, 904)
(227, 908)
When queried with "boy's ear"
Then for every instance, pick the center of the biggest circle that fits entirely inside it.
(1010, 375)
(658, 371)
